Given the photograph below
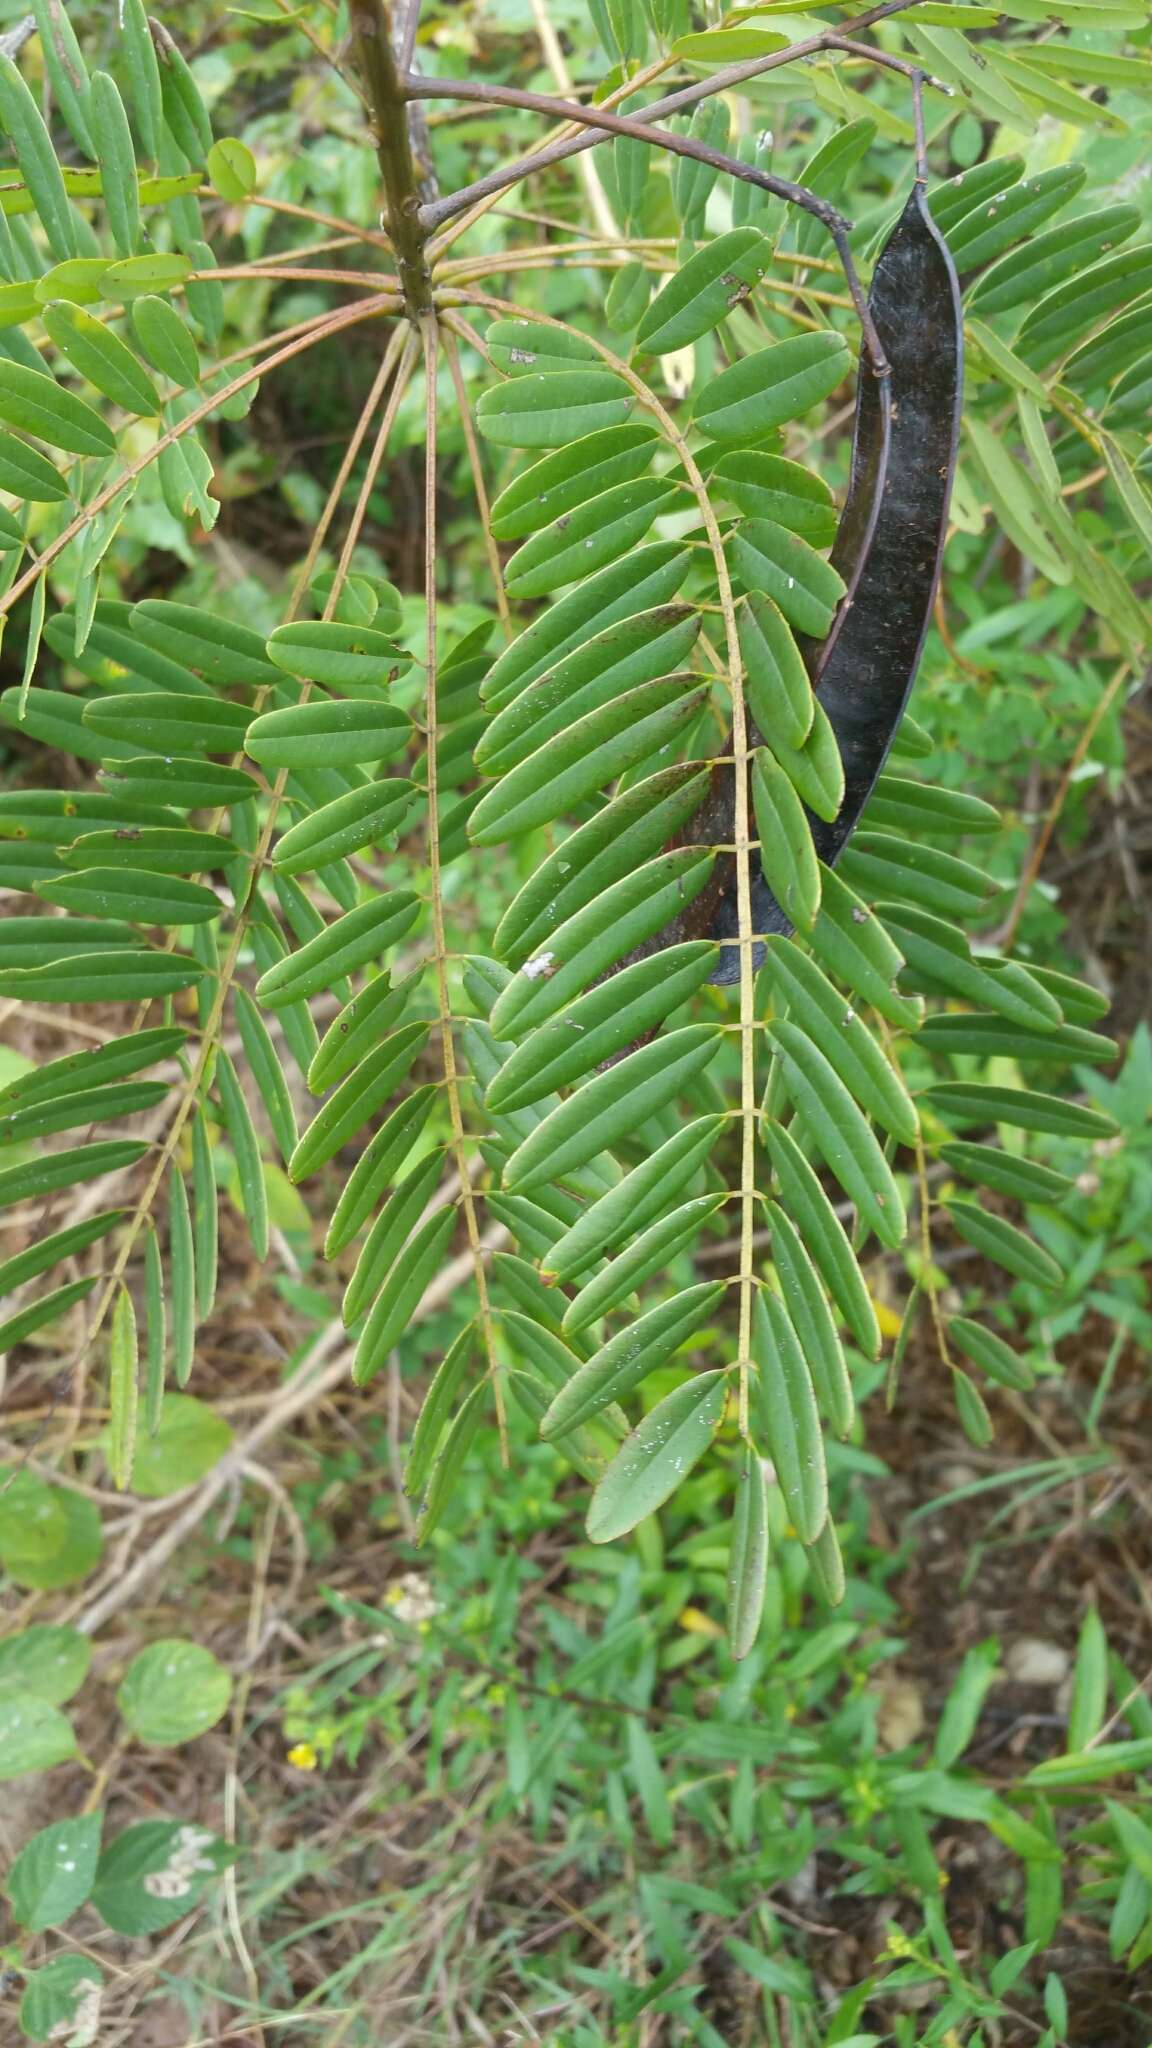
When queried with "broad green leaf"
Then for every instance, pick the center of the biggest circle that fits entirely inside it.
(352, 941)
(23, 125)
(164, 340)
(622, 1365)
(190, 1440)
(54, 1872)
(813, 1003)
(550, 410)
(622, 1010)
(786, 1409)
(651, 1463)
(28, 474)
(807, 589)
(363, 817)
(61, 2000)
(123, 1389)
(1003, 1242)
(50, 1662)
(649, 577)
(703, 292)
(991, 1354)
(155, 1872)
(633, 651)
(401, 1295)
(978, 1102)
(172, 1692)
(774, 385)
(610, 1107)
(101, 357)
(776, 680)
(34, 1736)
(558, 483)
(331, 735)
(650, 1253)
(36, 1315)
(1010, 216)
(748, 1555)
(770, 487)
(991, 1167)
(1022, 277)
(579, 542)
(841, 1132)
(112, 140)
(37, 404)
(787, 855)
(812, 1321)
(49, 1536)
(231, 167)
(358, 1098)
(591, 753)
(341, 657)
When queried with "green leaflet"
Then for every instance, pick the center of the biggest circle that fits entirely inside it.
(164, 340)
(633, 651)
(776, 680)
(991, 1167)
(231, 166)
(101, 357)
(184, 112)
(1002, 1241)
(991, 1037)
(450, 1459)
(355, 939)
(123, 1390)
(976, 1102)
(815, 770)
(39, 1258)
(748, 1555)
(246, 1149)
(437, 1406)
(646, 578)
(1022, 278)
(786, 1409)
(162, 724)
(181, 1278)
(1063, 315)
(23, 124)
(36, 941)
(703, 292)
(849, 940)
(160, 849)
(812, 1321)
(401, 1295)
(610, 1106)
(522, 347)
(807, 589)
(774, 385)
(770, 487)
(401, 1214)
(559, 483)
(592, 752)
(378, 1166)
(363, 817)
(357, 1029)
(636, 1201)
(626, 297)
(991, 1354)
(135, 275)
(80, 1107)
(28, 474)
(881, 864)
(340, 656)
(971, 1409)
(91, 1068)
(900, 805)
(142, 898)
(56, 718)
(267, 1072)
(824, 1237)
(814, 1004)
(179, 780)
(841, 1132)
(205, 1216)
(584, 540)
(623, 1009)
(226, 653)
(358, 1098)
(787, 855)
(622, 1364)
(588, 1449)
(37, 1314)
(332, 735)
(37, 404)
(826, 1565)
(651, 1463)
(101, 976)
(1014, 212)
(654, 1249)
(112, 140)
(973, 189)
(547, 410)
(938, 952)
(692, 179)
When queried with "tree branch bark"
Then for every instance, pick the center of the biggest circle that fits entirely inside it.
(376, 61)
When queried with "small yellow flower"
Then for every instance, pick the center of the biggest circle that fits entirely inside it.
(699, 1624)
(303, 1757)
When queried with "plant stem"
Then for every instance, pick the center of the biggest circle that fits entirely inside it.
(376, 62)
